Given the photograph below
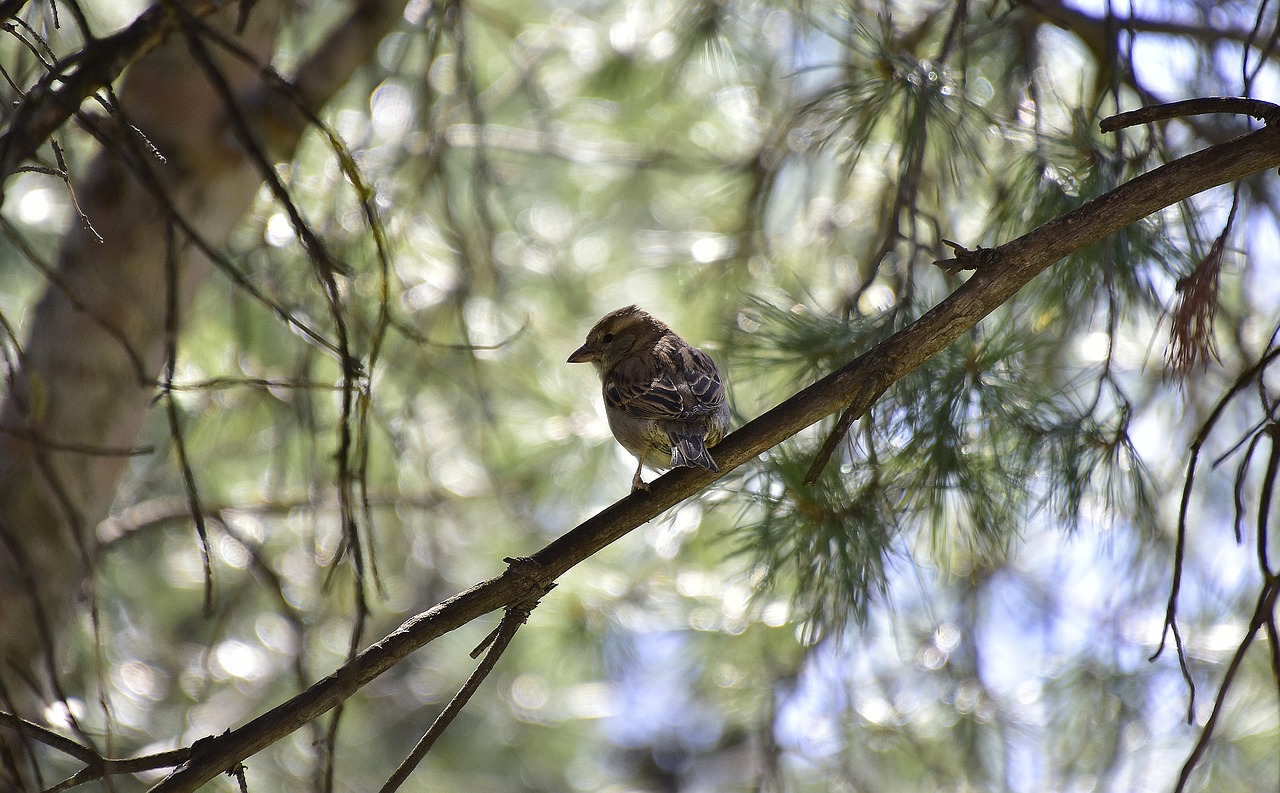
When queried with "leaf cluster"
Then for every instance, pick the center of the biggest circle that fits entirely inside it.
(950, 464)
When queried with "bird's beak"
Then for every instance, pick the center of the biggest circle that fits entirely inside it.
(582, 355)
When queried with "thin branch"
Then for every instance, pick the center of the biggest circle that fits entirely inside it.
(497, 642)
(44, 735)
(1264, 502)
(37, 439)
(326, 269)
(59, 93)
(172, 275)
(829, 445)
(149, 180)
(1266, 112)
(1090, 28)
(55, 278)
(1266, 603)
(65, 174)
(95, 765)
(1242, 382)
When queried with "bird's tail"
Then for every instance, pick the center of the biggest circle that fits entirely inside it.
(688, 451)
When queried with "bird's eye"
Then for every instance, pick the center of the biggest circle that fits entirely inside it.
(607, 338)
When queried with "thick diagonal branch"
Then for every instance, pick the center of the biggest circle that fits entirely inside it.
(855, 386)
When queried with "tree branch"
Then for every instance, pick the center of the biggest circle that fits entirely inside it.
(1267, 112)
(497, 643)
(59, 94)
(1266, 605)
(854, 386)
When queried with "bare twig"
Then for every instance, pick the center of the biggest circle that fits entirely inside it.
(966, 259)
(1264, 502)
(497, 643)
(95, 765)
(36, 439)
(1242, 382)
(326, 270)
(172, 274)
(58, 281)
(1266, 603)
(829, 445)
(44, 735)
(1266, 112)
(59, 93)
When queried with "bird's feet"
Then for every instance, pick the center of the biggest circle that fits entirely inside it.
(638, 484)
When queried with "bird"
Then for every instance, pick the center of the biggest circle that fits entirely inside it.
(664, 398)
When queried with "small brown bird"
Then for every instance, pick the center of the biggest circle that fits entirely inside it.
(664, 398)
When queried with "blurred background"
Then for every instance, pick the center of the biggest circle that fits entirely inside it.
(972, 595)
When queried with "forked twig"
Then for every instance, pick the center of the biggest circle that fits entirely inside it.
(496, 642)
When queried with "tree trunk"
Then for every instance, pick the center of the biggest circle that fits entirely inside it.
(98, 341)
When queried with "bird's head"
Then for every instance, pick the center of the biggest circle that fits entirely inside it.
(618, 334)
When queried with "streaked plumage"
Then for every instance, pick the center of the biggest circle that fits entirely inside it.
(665, 399)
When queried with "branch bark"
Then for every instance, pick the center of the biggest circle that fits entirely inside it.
(855, 386)
(59, 94)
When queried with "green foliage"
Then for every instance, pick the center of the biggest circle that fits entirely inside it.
(962, 452)
(827, 542)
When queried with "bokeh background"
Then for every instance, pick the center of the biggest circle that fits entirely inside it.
(971, 597)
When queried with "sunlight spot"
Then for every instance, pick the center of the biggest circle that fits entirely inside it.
(1216, 642)
(667, 537)
(584, 53)
(392, 109)
(232, 552)
(734, 602)
(776, 613)
(874, 709)
(279, 230)
(729, 676)
(550, 221)
(590, 252)
(930, 658)
(59, 713)
(709, 248)
(590, 701)
(530, 692)
(662, 45)
(140, 679)
(876, 298)
(246, 524)
(240, 660)
(622, 36)
(585, 773)
(39, 206)
(967, 697)
(946, 637)
(556, 428)
(276, 633)
(443, 75)
(415, 11)
(1093, 347)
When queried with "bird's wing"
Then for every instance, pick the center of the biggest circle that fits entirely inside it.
(681, 385)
